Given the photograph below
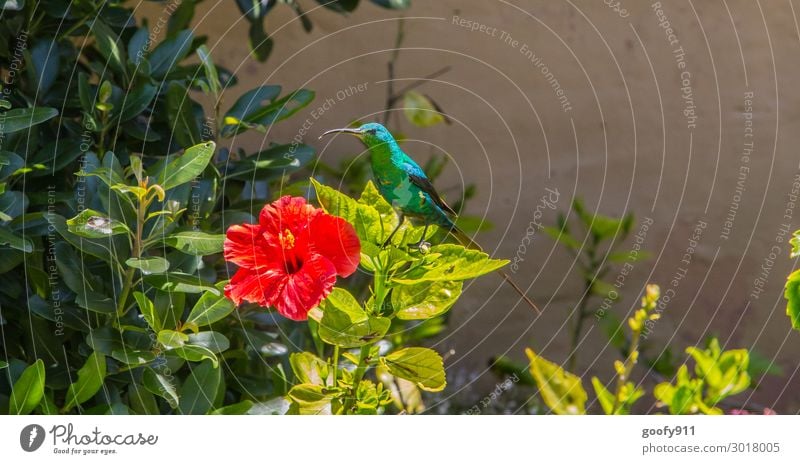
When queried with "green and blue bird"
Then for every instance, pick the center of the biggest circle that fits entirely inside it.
(403, 183)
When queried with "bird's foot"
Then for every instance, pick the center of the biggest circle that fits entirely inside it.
(423, 246)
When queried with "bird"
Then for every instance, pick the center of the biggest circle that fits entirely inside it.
(404, 184)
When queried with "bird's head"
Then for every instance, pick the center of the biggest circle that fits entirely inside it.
(371, 133)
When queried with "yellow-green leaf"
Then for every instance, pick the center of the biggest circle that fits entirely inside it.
(422, 366)
(561, 391)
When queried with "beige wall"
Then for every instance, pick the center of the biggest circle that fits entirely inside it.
(623, 146)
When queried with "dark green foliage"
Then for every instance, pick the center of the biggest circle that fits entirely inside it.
(111, 215)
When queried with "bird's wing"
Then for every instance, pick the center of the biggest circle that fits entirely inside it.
(419, 179)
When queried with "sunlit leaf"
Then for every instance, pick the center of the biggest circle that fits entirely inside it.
(422, 366)
(28, 390)
(424, 300)
(420, 110)
(561, 391)
(345, 323)
(93, 224)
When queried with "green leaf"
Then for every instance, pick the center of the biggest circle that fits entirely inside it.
(364, 218)
(107, 42)
(563, 236)
(792, 294)
(45, 58)
(172, 339)
(196, 353)
(137, 45)
(90, 379)
(346, 324)
(561, 391)
(340, 6)
(161, 385)
(248, 111)
(28, 390)
(183, 121)
(422, 366)
(424, 300)
(141, 400)
(210, 69)
(3, 364)
(448, 262)
(311, 399)
(97, 302)
(254, 9)
(179, 282)
(100, 248)
(213, 341)
(136, 101)
(9, 164)
(209, 309)
(252, 100)
(604, 397)
(15, 241)
(149, 264)
(393, 4)
(260, 43)
(148, 310)
(169, 53)
(420, 110)
(22, 118)
(200, 389)
(309, 369)
(133, 357)
(92, 224)
(274, 161)
(186, 167)
(605, 227)
(761, 365)
(236, 409)
(196, 243)
(181, 18)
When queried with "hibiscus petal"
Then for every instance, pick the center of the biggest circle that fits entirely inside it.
(262, 288)
(335, 239)
(287, 212)
(306, 288)
(245, 246)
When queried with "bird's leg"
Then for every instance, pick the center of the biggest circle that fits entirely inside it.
(422, 245)
(388, 240)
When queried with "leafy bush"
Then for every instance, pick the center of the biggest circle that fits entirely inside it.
(255, 11)
(112, 297)
(116, 187)
(720, 374)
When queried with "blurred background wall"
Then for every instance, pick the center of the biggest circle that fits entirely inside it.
(689, 123)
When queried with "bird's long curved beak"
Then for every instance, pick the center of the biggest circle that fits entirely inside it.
(346, 131)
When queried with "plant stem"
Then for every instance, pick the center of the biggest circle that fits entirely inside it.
(580, 317)
(578, 328)
(136, 252)
(630, 361)
(335, 365)
(380, 291)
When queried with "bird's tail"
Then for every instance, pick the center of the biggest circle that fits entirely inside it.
(467, 241)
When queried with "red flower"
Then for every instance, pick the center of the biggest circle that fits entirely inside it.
(291, 258)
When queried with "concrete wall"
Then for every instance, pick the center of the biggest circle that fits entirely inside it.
(636, 116)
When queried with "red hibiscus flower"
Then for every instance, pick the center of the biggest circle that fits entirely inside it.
(291, 258)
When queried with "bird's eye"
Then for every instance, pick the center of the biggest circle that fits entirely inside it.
(372, 131)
